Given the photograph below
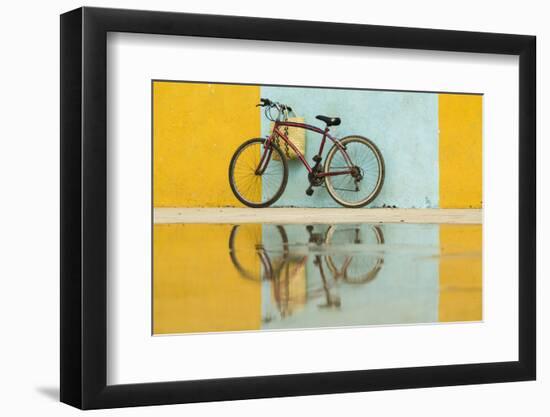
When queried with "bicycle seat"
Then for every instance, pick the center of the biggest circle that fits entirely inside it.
(330, 121)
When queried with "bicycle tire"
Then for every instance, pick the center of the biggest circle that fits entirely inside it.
(231, 175)
(380, 182)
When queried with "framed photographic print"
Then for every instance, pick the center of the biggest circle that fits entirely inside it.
(256, 207)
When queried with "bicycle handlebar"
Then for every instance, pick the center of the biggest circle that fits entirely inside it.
(265, 102)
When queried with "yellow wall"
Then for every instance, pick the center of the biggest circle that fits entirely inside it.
(195, 287)
(193, 148)
(460, 296)
(460, 151)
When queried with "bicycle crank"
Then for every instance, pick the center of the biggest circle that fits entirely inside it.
(315, 179)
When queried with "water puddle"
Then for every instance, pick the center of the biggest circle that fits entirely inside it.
(254, 277)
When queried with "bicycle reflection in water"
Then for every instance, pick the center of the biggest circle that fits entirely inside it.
(346, 254)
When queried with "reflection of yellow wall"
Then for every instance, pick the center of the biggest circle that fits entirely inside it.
(460, 151)
(197, 127)
(196, 288)
(460, 273)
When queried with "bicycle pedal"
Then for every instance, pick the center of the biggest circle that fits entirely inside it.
(309, 191)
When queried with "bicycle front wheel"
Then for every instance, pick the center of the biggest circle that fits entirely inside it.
(258, 175)
(361, 186)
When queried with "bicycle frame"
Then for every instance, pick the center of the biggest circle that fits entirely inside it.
(264, 160)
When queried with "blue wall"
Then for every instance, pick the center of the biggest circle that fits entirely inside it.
(404, 126)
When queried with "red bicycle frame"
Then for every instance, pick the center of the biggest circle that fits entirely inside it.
(266, 156)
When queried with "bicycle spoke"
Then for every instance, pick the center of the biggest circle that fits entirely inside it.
(250, 186)
(346, 187)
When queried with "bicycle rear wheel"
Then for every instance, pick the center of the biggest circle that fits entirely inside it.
(258, 180)
(361, 187)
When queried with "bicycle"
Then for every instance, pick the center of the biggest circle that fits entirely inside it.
(353, 172)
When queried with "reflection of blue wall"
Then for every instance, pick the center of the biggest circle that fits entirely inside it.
(406, 289)
(403, 125)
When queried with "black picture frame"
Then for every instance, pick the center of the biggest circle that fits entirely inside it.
(84, 207)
